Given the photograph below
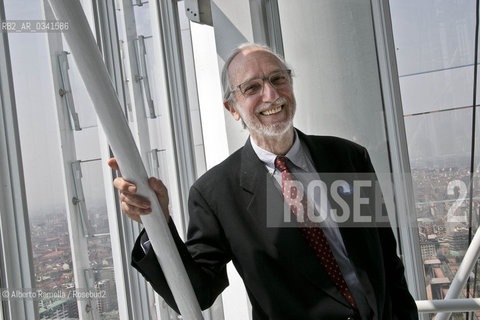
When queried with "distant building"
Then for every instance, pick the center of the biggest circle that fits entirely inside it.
(106, 301)
(437, 282)
(429, 250)
(61, 309)
(458, 241)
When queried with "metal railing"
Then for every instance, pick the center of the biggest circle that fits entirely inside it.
(452, 305)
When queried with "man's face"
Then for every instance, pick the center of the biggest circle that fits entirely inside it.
(269, 112)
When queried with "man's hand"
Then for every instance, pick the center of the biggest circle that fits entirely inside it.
(134, 205)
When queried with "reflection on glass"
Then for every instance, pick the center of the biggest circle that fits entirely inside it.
(440, 139)
(441, 178)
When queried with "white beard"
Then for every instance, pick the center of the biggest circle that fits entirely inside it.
(253, 124)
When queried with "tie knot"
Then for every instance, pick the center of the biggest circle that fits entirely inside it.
(281, 163)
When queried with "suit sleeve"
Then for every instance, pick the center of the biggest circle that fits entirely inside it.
(205, 255)
(397, 294)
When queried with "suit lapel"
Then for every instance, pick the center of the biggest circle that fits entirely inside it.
(266, 207)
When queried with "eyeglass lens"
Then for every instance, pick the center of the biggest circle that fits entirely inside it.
(277, 79)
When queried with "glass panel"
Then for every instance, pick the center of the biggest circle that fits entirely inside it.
(53, 264)
(83, 104)
(145, 57)
(433, 35)
(439, 145)
(35, 102)
(90, 189)
(440, 139)
(37, 116)
(476, 197)
(142, 19)
(94, 193)
(435, 50)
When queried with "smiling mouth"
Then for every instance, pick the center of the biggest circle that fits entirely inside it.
(272, 111)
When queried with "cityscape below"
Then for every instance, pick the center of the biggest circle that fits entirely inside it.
(54, 275)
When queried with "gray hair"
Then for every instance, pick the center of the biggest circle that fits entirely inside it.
(226, 84)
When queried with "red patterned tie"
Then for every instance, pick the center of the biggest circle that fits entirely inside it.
(315, 236)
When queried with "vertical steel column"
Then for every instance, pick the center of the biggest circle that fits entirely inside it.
(130, 286)
(16, 260)
(406, 218)
(139, 294)
(107, 39)
(78, 242)
(266, 24)
(169, 30)
(140, 123)
(105, 101)
(1, 304)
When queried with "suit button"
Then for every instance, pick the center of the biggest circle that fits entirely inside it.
(354, 317)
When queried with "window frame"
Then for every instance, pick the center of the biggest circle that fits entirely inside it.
(17, 271)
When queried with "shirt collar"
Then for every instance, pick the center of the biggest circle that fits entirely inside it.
(296, 155)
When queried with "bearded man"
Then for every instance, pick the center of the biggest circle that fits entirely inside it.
(310, 272)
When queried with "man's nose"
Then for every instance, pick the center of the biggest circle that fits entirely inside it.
(270, 93)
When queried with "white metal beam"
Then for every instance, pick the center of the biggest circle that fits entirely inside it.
(105, 101)
(169, 30)
(108, 41)
(452, 305)
(132, 72)
(463, 273)
(406, 218)
(140, 303)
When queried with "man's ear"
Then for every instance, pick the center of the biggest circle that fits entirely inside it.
(232, 110)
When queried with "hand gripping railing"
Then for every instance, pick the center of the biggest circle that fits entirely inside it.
(99, 86)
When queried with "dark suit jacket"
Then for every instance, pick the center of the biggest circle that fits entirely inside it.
(283, 278)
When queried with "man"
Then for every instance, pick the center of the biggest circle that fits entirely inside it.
(353, 274)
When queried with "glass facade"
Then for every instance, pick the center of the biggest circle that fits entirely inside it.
(71, 207)
(435, 49)
(39, 126)
(52, 257)
(80, 239)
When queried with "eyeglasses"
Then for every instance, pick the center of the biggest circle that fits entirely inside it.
(277, 79)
